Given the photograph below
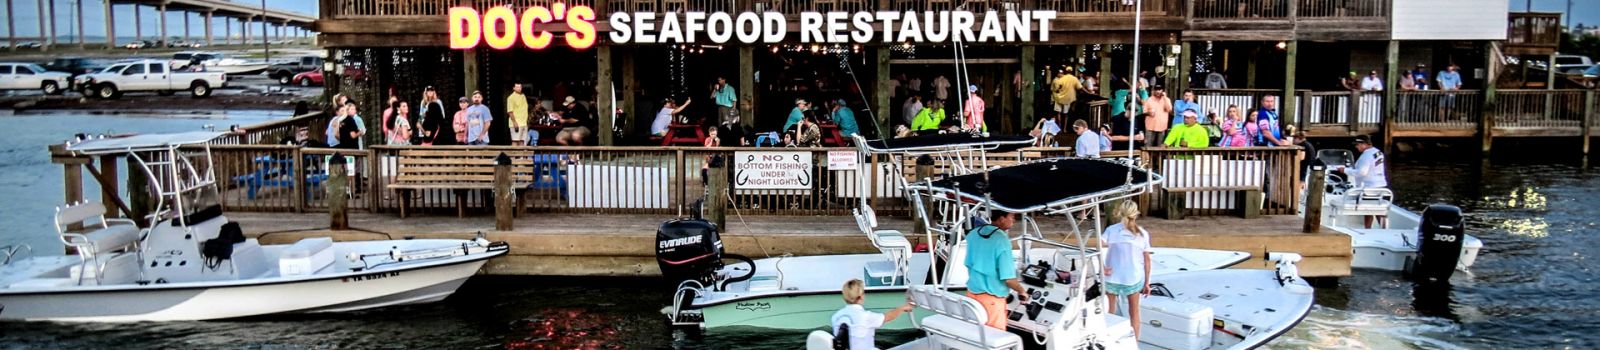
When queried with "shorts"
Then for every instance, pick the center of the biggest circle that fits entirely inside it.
(1062, 108)
(1124, 289)
(728, 114)
(994, 307)
(519, 133)
(1448, 101)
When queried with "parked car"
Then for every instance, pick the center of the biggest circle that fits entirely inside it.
(74, 65)
(285, 72)
(1565, 64)
(29, 45)
(312, 78)
(149, 75)
(26, 76)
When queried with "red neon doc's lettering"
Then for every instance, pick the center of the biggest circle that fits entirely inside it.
(581, 20)
(466, 28)
(530, 18)
(497, 27)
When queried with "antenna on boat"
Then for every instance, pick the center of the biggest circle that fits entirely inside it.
(1133, 92)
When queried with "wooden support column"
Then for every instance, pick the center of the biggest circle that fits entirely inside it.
(1286, 104)
(1077, 56)
(716, 205)
(1105, 74)
(1185, 69)
(107, 178)
(881, 91)
(469, 71)
(1250, 68)
(1487, 114)
(1027, 69)
(1391, 72)
(604, 109)
(747, 86)
(11, 25)
(72, 178)
(139, 192)
(1550, 85)
(630, 89)
(208, 27)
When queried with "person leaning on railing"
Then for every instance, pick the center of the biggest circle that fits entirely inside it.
(1188, 135)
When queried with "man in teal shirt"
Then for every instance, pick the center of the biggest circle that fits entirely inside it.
(845, 118)
(796, 114)
(723, 94)
(991, 269)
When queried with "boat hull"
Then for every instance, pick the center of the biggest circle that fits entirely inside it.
(220, 300)
(1392, 248)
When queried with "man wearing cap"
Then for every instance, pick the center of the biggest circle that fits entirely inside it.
(1369, 172)
(972, 112)
(1372, 82)
(1420, 76)
(726, 99)
(796, 114)
(478, 119)
(846, 119)
(669, 109)
(574, 123)
(1351, 82)
(1188, 135)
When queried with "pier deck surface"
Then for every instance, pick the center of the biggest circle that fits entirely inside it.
(623, 245)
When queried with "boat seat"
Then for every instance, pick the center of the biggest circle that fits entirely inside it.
(105, 238)
(1365, 202)
(113, 236)
(951, 333)
(819, 340)
(958, 321)
(891, 243)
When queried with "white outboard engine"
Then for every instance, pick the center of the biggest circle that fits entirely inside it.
(1443, 231)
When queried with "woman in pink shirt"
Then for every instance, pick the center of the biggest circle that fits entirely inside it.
(1252, 130)
(1233, 129)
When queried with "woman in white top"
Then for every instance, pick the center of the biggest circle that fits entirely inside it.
(1127, 260)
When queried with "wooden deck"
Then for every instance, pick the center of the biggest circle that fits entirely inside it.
(622, 245)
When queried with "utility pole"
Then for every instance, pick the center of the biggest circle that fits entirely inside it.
(1569, 18)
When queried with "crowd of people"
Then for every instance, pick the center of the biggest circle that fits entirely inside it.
(469, 122)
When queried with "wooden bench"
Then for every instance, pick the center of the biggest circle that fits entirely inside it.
(1246, 200)
(464, 170)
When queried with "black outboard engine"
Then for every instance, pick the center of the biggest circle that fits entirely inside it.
(688, 249)
(1442, 232)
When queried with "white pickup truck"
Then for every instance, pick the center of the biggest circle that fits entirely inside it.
(149, 75)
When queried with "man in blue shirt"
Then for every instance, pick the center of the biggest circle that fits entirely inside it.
(478, 119)
(991, 269)
(796, 114)
(1420, 75)
(1187, 103)
(845, 118)
(1449, 80)
(1089, 143)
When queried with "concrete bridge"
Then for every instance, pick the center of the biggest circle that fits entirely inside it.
(277, 24)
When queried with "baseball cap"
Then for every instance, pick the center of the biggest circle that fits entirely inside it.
(1362, 139)
(570, 99)
(972, 88)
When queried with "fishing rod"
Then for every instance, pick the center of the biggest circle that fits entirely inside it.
(844, 63)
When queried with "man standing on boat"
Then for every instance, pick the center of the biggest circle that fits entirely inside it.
(1370, 172)
(863, 323)
(991, 268)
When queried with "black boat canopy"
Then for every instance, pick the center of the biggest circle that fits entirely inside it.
(948, 142)
(1045, 184)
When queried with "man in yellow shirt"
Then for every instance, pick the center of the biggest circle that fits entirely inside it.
(1189, 134)
(517, 106)
(1064, 91)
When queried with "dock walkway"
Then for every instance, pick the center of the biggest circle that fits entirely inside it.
(623, 245)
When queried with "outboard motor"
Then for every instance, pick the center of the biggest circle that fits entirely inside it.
(1443, 231)
(688, 249)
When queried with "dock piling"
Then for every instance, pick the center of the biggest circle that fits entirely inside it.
(1314, 200)
(338, 202)
(716, 205)
(504, 195)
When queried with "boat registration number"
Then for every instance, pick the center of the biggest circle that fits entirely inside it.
(369, 277)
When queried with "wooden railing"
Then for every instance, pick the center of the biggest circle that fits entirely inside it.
(1241, 9)
(1107, 6)
(389, 8)
(1276, 170)
(1438, 110)
(1539, 108)
(1534, 29)
(1336, 107)
(1343, 8)
(1218, 100)
(273, 131)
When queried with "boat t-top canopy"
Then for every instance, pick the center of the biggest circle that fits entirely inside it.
(941, 143)
(140, 143)
(1055, 185)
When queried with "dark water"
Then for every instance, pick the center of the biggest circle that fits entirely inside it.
(1533, 286)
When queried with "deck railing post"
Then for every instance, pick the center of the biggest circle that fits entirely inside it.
(1353, 114)
(298, 168)
(338, 181)
(717, 191)
(504, 195)
(1590, 116)
(1313, 209)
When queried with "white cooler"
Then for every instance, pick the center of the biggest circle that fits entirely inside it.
(1171, 324)
(306, 257)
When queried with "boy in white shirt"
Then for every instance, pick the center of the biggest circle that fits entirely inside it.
(862, 322)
